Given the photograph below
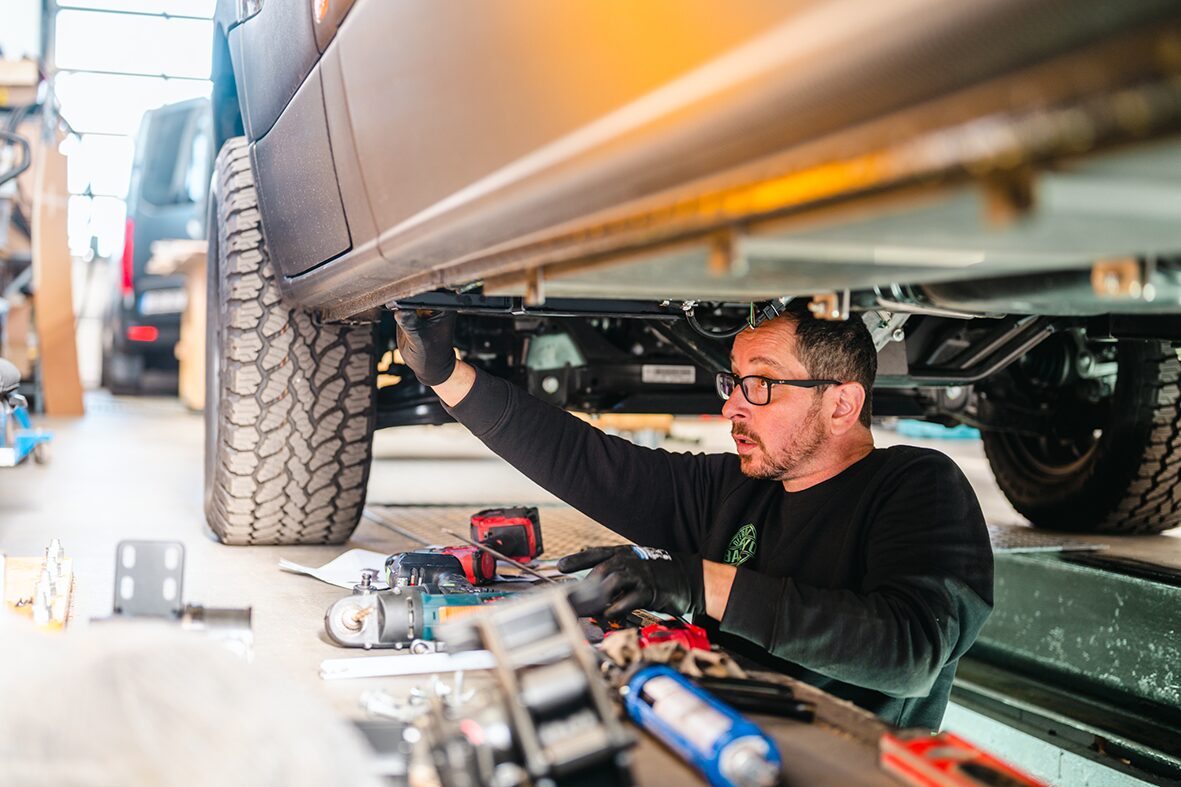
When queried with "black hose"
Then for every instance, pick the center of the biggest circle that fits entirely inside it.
(691, 318)
(769, 311)
(26, 158)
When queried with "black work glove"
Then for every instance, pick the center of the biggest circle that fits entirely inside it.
(426, 342)
(641, 578)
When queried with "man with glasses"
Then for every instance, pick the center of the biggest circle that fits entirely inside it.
(864, 571)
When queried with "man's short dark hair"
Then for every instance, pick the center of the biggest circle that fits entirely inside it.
(837, 350)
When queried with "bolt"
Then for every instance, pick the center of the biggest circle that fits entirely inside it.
(365, 586)
(898, 335)
(550, 385)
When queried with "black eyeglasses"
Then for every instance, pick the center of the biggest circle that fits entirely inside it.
(756, 389)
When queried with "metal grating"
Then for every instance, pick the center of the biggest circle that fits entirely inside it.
(1022, 538)
(563, 529)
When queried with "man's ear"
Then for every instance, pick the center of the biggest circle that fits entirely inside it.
(848, 399)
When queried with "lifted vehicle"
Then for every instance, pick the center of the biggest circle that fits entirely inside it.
(607, 191)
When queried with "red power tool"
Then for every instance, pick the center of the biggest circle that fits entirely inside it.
(513, 532)
(479, 566)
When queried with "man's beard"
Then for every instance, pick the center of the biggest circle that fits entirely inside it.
(784, 465)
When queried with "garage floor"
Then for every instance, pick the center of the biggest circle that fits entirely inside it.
(132, 469)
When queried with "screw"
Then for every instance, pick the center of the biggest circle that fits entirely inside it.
(366, 584)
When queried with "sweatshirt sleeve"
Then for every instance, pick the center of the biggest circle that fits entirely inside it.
(926, 593)
(650, 496)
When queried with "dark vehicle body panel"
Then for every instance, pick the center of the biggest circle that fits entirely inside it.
(305, 218)
(273, 53)
(484, 128)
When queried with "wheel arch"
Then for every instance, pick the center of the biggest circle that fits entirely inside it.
(226, 106)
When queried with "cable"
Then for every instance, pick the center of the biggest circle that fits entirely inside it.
(691, 318)
(757, 317)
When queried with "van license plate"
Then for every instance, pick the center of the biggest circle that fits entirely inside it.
(163, 301)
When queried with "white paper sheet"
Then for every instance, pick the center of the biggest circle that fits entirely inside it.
(406, 664)
(344, 571)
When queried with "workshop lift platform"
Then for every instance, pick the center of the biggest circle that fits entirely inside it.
(1083, 651)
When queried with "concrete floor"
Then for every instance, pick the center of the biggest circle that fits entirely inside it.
(132, 469)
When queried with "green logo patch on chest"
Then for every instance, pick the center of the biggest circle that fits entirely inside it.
(742, 546)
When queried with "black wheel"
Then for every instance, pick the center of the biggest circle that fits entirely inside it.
(1107, 461)
(122, 373)
(289, 412)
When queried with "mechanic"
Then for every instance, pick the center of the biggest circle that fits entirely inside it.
(864, 571)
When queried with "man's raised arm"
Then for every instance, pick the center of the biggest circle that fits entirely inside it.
(650, 496)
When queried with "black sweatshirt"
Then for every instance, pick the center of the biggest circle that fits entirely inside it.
(870, 585)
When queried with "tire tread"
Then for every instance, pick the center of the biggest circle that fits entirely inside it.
(296, 412)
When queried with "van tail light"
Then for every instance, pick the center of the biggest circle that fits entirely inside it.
(129, 258)
(142, 333)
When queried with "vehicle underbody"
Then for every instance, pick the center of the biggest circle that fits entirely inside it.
(1009, 230)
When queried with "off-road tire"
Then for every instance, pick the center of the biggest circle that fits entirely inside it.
(1129, 482)
(122, 373)
(289, 402)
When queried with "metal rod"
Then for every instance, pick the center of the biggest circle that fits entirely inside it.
(100, 134)
(66, 6)
(895, 305)
(936, 377)
(501, 557)
(997, 342)
(380, 519)
(136, 74)
(513, 306)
